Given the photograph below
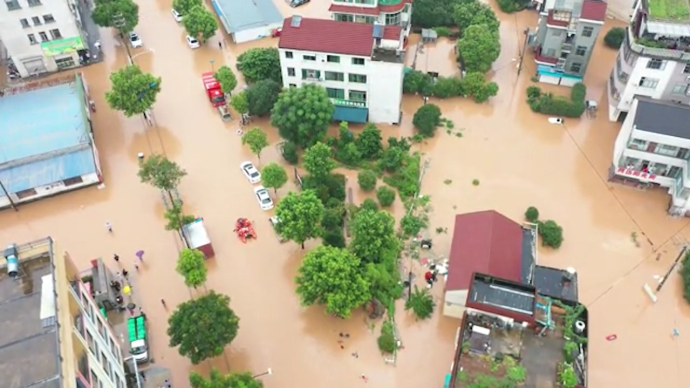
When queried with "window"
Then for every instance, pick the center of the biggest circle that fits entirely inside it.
(89, 340)
(581, 50)
(663, 149)
(311, 74)
(622, 76)
(359, 78)
(335, 93)
(358, 61)
(291, 71)
(44, 37)
(55, 33)
(393, 19)
(94, 379)
(64, 63)
(576, 67)
(657, 64)
(288, 54)
(24, 22)
(309, 57)
(26, 193)
(680, 89)
(12, 5)
(34, 3)
(686, 69)
(36, 20)
(333, 59)
(356, 95)
(587, 31)
(334, 76)
(48, 18)
(344, 17)
(100, 327)
(76, 179)
(293, 85)
(648, 82)
(637, 144)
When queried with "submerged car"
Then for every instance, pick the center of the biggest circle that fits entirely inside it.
(192, 42)
(135, 40)
(176, 15)
(252, 173)
(265, 201)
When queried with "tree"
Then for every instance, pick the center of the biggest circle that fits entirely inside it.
(614, 38)
(489, 90)
(175, 218)
(273, 176)
(300, 216)
(373, 236)
(421, 303)
(433, 13)
(190, 264)
(132, 92)
(261, 96)
(369, 142)
(385, 195)
(200, 23)
(120, 14)
(226, 78)
(184, 6)
(260, 64)
(317, 160)
(417, 82)
(203, 327)
(426, 119)
(239, 103)
(257, 140)
(331, 276)
(551, 234)
(474, 84)
(386, 341)
(685, 276)
(161, 172)
(290, 152)
(472, 13)
(532, 214)
(302, 114)
(218, 380)
(367, 180)
(478, 48)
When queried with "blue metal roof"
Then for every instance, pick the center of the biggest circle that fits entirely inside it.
(240, 15)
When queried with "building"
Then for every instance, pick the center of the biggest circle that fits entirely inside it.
(653, 60)
(653, 149)
(47, 144)
(247, 20)
(41, 35)
(360, 65)
(564, 39)
(53, 334)
(384, 12)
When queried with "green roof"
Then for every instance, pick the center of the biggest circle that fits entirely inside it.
(136, 328)
(670, 10)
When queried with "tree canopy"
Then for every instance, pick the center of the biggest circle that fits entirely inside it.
(300, 216)
(190, 264)
(203, 327)
(161, 172)
(184, 6)
(302, 114)
(332, 276)
(259, 64)
(470, 13)
(120, 14)
(239, 102)
(226, 78)
(219, 380)
(257, 140)
(433, 13)
(369, 142)
(200, 23)
(261, 96)
(421, 302)
(273, 176)
(478, 48)
(175, 218)
(373, 236)
(426, 119)
(132, 91)
(317, 160)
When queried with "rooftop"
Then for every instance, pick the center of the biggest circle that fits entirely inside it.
(555, 283)
(239, 15)
(498, 293)
(384, 6)
(29, 337)
(669, 10)
(593, 10)
(662, 117)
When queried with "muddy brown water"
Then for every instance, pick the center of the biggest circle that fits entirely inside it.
(518, 158)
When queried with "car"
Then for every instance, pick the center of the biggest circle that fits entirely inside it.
(275, 222)
(192, 42)
(135, 40)
(297, 3)
(176, 15)
(265, 201)
(251, 172)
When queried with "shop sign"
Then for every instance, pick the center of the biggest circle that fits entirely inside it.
(62, 46)
(341, 102)
(635, 174)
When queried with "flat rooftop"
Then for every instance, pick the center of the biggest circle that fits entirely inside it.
(239, 15)
(669, 10)
(29, 352)
(497, 293)
(662, 117)
(555, 283)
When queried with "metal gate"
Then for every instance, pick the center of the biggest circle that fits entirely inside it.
(34, 66)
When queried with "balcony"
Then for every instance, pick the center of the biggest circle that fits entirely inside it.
(656, 52)
(566, 47)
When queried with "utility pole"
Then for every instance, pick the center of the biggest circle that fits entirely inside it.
(119, 22)
(524, 50)
(4, 190)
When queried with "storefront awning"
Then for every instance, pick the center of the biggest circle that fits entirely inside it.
(350, 114)
(62, 46)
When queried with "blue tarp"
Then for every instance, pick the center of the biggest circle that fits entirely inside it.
(350, 114)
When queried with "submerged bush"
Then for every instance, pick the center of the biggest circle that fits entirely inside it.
(551, 234)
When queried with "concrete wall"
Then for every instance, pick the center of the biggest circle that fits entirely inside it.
(256, 33)
(454, 303)
(588, 42)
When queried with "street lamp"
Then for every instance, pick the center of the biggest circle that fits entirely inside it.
(136, 369)
(131, 59)
(268, 372)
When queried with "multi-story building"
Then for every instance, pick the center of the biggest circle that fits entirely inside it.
(53, 334)
(653, 149)
(653, 60)
(384, 12)
(564, 39)
(42, 35)
(360, 65)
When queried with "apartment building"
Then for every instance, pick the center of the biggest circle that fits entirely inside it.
(42, 35)
(653, 150)
(564, 39)
(53, 334)
(384, 12)
(653, 60)
(360, 65)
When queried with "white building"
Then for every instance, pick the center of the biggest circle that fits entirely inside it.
(360, 65)
(385, 12)
(42, 35)
(653, 149)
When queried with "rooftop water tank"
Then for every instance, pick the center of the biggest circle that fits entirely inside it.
(12, 260)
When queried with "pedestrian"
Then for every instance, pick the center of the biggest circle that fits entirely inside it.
(140, 255)
(108, 227)
(143, 376)
(125, 273)
(675, 332)
(355, 355)
(116, 258)
(163, 303)
(220, 45)
(365, 379)
(140, 156)
(167, 384)
(136, 266)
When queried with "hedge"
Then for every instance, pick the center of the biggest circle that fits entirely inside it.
(550, 104)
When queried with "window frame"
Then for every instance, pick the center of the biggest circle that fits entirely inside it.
(587, 31)
(351, 98)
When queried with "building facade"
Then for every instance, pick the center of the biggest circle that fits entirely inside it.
(653, 150)
(384, 12)
(360, 65)
(42, 35)
(653, 60)
(564, 39)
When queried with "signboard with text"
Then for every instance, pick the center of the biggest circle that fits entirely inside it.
(355, 104)
(635, 174)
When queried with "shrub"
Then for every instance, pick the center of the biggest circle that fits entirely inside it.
(386, 340)
(334, 238)
(289, 151)
(508, 6)
(614, 38)
(332, 218)
(549, 104)
(367, 180)
(421, 303)
(532, 214)
(685, 275)
(446, 87)
(369, 142)
(416, 82)
(406, 177)
(551, 234)
(411, 224)
(533, 92)
(329, 187)
(426, 119)
(369, 204)
(442, 31)
(385, 195)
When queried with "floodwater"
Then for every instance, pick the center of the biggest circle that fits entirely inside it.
(519, 159)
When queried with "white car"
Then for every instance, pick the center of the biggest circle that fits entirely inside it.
(176, 15)
(251, 172)
(135, 40)
(265, 201)
(192, 42)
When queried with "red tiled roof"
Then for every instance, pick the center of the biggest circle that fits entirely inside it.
(553, 22)
(354, 10)
(391, 32)
(593, 10)
(486, 242)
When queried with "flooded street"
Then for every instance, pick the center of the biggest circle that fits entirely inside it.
(519, 159)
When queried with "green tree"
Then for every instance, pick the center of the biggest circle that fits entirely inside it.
(472, 13)
(685, 276)
(373, 236)
(614, 38)
(433, 13)
(290, 152)
(474, 84)
(261, 96)
(532, 214)
(203, 327)
(417, 82)
(120, 14)
(162, 173)
(367, 180)
(386, 341)
(190, 264)
(175, 218)
(132, 91)
(369, 142)
(426, 119)
(226, 78)
(331, 276)
(302, 114)
(478, 48)
(218, 380)
(184, 6)
(257, 140)
(421, 302)
(317, 160)
(551, 234)
(385, 195)
(300, 216)
(259, 64)
(489, 90)
(239, 102)
(273, 176)
(200, 23)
